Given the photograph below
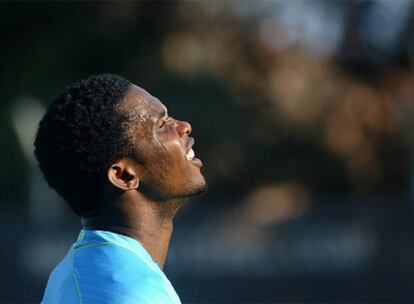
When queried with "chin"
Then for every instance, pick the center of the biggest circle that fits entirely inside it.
(198, 190)
(193, 188)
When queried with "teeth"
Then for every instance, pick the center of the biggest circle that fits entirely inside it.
(190, 154)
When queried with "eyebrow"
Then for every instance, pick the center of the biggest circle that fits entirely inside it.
(162, 114)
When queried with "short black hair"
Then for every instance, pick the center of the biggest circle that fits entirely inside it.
(80, 135)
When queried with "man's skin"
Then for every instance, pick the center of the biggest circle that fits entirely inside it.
(142, 197)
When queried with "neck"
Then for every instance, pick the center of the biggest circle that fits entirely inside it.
(133, 215)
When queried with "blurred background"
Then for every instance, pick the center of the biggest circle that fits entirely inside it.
(303, 114)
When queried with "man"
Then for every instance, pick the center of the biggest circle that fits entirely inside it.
(111, 150)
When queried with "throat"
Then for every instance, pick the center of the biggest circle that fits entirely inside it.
(168, 210)
(148, 222)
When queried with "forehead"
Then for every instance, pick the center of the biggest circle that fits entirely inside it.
(139, 101)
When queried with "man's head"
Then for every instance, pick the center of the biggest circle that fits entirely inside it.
(106, 132)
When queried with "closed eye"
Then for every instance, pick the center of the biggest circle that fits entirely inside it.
(164, 121)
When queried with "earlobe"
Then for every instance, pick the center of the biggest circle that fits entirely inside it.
(123, 176)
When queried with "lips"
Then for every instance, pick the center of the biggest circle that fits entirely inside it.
(190, 155)
(190, 152)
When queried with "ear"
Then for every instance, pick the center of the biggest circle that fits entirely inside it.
(123, 175)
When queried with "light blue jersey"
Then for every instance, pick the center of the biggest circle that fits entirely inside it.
(106, 267)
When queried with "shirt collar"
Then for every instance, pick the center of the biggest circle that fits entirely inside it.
(90, 236)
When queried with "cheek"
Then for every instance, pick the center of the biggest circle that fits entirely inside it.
(167, 160)
(170, 167)
(170, 149)
(175, 165)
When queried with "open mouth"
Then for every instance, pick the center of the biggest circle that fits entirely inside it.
(190, 154)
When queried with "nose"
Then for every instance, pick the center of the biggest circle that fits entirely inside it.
(183, 128)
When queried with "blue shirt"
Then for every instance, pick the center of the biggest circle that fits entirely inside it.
(106, 267)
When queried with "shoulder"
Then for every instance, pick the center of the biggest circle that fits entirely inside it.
(109, 256)
(110, 273)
